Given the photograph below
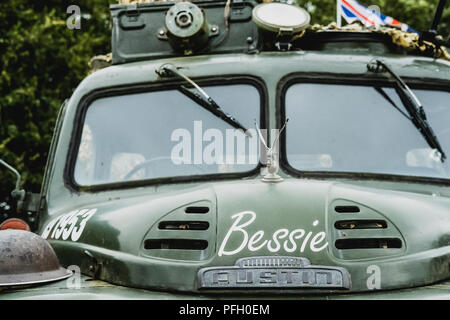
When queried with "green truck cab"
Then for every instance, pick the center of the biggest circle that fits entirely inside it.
(226, 155)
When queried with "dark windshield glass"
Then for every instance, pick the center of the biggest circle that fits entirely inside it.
(166, 134)
(348, 128)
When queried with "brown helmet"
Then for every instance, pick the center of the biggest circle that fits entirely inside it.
(26, 258)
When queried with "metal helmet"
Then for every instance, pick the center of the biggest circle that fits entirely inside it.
(26, 258)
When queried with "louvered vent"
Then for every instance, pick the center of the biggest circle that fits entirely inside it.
(360, 224)
(346, 209)
(183, 225)
(180, 244)
(196, 210)
(360, 232)
(368, 243)
(186, 233)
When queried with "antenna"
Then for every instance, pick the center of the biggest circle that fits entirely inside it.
(438, 15)
(431, 35)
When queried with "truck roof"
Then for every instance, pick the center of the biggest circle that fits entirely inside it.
(266, 64)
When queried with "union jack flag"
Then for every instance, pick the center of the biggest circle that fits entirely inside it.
(351, 10)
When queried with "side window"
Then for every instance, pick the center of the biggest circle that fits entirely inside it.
(86, 154)
(53, 147)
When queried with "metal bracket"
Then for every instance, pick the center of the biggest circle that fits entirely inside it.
(95, 267)
(237, 4)
(132, 10)
(18, 194)
(283, 46)
(375, 67)
(161, 33)
(132, 19)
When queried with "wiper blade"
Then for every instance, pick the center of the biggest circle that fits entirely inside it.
(202, 99)
(412, 105)
(392, 103)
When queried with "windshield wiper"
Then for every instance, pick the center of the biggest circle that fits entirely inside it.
(392, 103)
(202, 99)
(412, 105)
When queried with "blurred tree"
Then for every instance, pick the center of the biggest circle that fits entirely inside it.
(42, 61)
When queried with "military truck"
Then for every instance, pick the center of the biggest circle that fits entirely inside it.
(174, 172)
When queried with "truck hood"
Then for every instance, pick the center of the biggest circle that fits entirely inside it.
(295, 236)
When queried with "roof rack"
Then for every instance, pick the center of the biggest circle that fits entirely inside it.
(147, 30)
(152, 30)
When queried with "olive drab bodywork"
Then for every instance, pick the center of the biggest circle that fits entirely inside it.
(339, 220)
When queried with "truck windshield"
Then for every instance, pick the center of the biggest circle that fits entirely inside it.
(164, 134)
(354, 128)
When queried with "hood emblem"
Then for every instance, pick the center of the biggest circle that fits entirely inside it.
(273, 272)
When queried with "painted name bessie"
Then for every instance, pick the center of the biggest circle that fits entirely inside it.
(282, 239)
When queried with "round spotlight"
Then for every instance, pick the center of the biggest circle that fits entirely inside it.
(280, 18)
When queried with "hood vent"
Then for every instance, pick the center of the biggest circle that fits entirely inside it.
(346, 209)
(197, 210)
(368, 243)
(187, 233)
(179, 244)
(360, 232)
(360, 224)
(183, 225)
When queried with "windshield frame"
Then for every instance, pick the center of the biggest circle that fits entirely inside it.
(147, 87)
(367, 79)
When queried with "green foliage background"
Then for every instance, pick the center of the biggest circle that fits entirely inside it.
(42, 61)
